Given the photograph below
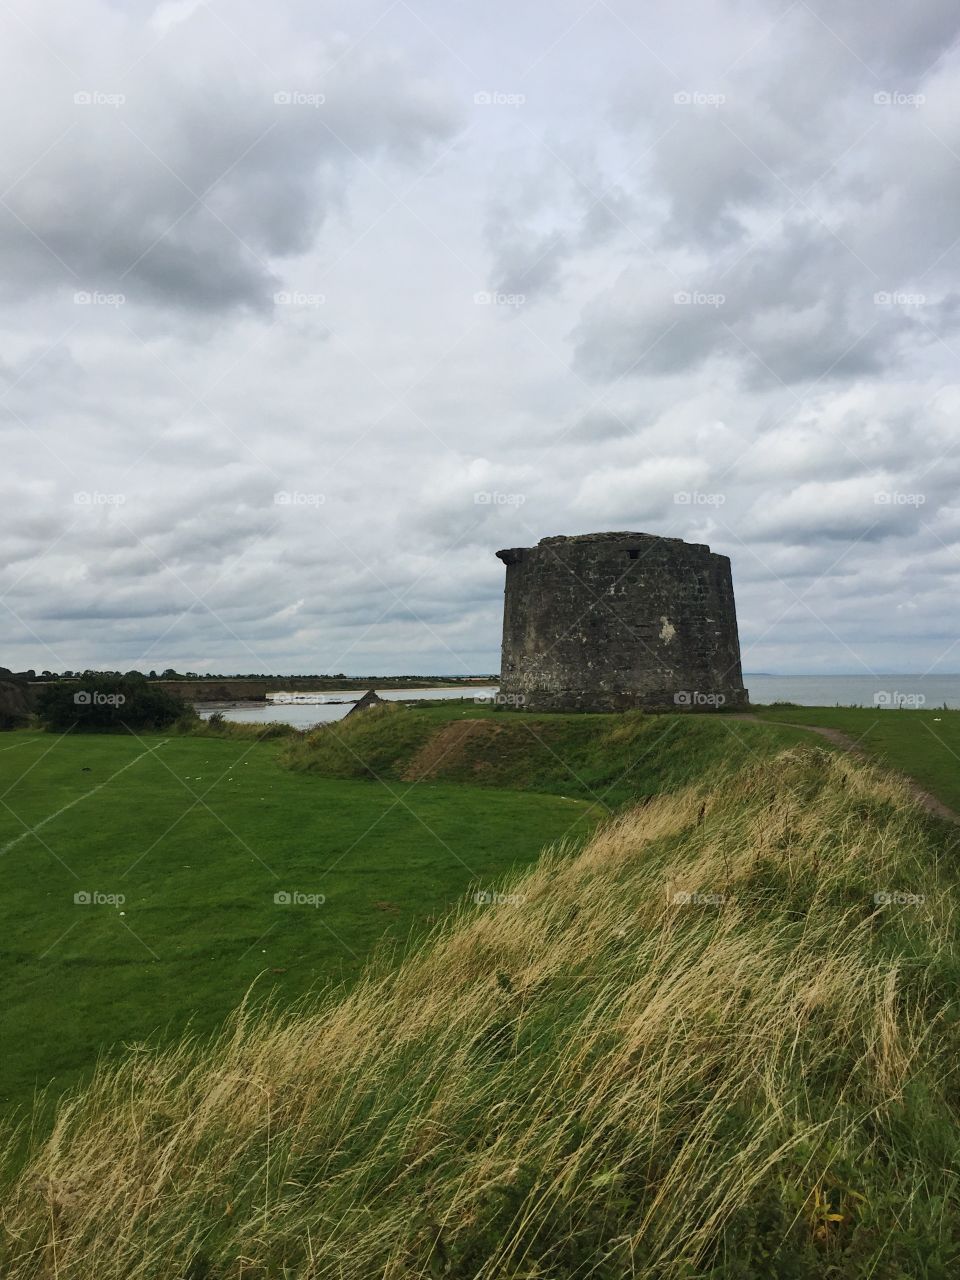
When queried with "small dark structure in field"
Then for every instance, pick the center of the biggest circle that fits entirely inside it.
(613, 621)
(370, 699)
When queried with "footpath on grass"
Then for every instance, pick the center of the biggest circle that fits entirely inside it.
(922, 746)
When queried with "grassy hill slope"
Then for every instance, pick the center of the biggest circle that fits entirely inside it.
(607, 760)
(720, 1041)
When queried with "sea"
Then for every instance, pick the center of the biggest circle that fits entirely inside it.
(885, 692)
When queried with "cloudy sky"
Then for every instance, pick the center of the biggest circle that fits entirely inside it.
(309, 308)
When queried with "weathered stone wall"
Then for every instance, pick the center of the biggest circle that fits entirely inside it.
(610, 621)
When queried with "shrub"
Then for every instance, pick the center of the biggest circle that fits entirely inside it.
(109, 703)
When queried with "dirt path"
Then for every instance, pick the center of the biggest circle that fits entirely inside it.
(448, 746)
(846, 743)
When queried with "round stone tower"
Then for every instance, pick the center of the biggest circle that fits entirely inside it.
(610, 621)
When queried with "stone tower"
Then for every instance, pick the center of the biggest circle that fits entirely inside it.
(610, 621)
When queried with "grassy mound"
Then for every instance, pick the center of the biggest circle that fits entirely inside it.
(720, 1041)
(607, 759)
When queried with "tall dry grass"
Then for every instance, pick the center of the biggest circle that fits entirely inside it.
(698, 1047)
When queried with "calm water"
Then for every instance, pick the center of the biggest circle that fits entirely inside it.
(857, 691)
(809, 691)
(329, 707)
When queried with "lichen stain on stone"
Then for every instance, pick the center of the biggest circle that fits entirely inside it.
(667, 630)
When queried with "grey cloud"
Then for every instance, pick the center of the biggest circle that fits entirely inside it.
(187, 191)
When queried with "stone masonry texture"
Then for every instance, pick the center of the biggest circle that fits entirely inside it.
(613, 621)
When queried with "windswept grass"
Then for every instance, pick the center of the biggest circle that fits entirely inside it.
(923, 744)
(706, 1045)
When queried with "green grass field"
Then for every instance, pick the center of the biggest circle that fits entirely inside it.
(924, 744)
(198, 834)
